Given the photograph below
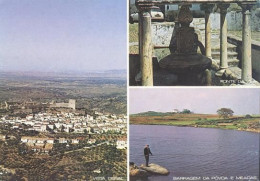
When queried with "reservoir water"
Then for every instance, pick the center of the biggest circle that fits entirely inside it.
(197, 152)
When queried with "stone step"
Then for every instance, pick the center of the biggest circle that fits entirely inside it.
(215, 47)
(231, 62)
(231, 55)
(215, 44)
(229, 49)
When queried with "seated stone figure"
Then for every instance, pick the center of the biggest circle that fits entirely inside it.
(184, 61)
(184, 39)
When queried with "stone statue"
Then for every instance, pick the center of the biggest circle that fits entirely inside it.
(184, 60)
(184, 39)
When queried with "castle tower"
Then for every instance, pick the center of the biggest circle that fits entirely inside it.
(72, 103)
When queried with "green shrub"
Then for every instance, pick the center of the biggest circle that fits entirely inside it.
(248, 116)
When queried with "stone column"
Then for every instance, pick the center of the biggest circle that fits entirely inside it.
(208, 8)
(207, 35)
(223, 39)
(146, 50)
(246, 45)
(140, 31)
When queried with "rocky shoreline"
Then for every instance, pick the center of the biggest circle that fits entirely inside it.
(143, 172)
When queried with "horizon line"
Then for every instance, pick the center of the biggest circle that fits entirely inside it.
(65, 71)
(191, 113)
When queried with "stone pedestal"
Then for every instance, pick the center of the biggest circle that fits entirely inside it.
(188, 68)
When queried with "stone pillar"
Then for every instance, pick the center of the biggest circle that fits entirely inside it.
(208, 8)
(140, 37)
(207, 35)
(146, 50)
(246, 45)
(223, 39)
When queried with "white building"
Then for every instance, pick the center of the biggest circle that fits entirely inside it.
(121, 143)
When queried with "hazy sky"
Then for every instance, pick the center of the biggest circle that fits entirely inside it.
(61, 35)
(199, 100)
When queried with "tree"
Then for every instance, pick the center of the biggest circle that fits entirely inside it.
(186, 111)
(92, 130)
(248, 116)
(112, 154)
(225, 112)
(62, 128)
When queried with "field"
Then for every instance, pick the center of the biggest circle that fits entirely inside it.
(74, 165)
(101, 91)
(197, 120)
(76, 162)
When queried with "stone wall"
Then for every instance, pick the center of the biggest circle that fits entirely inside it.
(71, 104)
(256, 62)
(162, 33)
(234, 20)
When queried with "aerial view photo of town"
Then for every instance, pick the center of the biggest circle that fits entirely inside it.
(43, 138)
(63, 110)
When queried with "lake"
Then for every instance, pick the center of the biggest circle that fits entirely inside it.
(197, 152)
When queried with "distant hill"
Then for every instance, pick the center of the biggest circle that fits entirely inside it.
(120, 73)
(153, 113)
(104, 92)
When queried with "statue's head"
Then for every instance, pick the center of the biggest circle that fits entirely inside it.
(185, 16)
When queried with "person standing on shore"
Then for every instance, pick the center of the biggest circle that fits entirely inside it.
(147, 152)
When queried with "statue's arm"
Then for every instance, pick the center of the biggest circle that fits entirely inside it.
(202, 48)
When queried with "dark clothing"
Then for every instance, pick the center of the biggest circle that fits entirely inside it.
(147, 151)
(146, 160)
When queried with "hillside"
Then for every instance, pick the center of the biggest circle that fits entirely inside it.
(153, 113)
